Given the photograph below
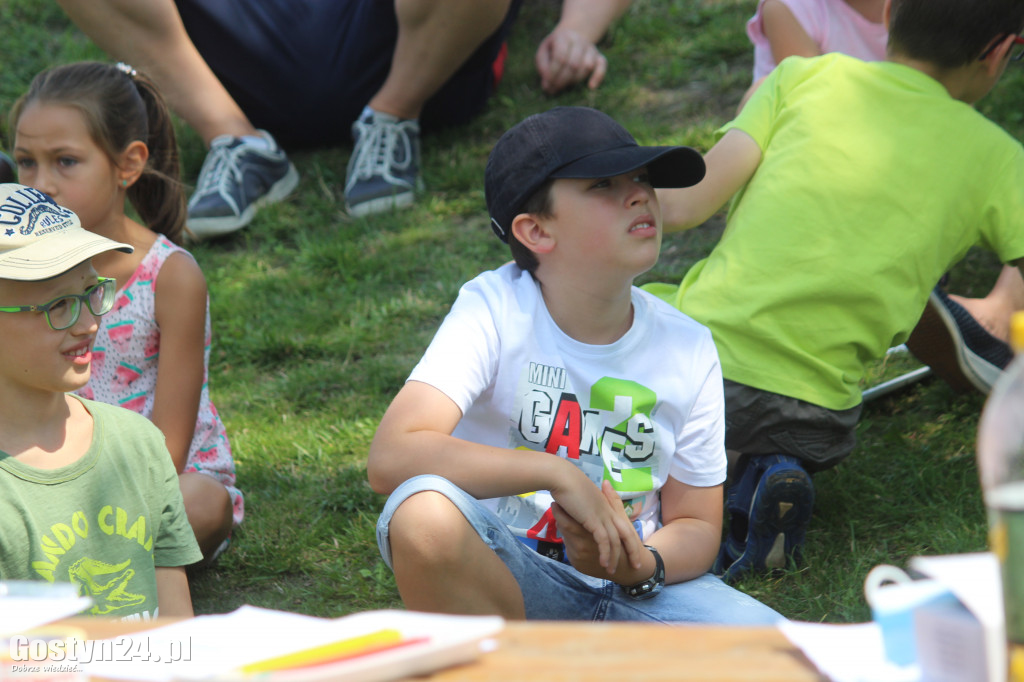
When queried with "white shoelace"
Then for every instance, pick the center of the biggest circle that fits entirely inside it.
(375, 153)
(220, 170)
(216, 169)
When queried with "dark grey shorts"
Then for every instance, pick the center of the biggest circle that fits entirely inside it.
(763, 423)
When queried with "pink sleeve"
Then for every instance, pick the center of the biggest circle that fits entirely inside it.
(809, 13)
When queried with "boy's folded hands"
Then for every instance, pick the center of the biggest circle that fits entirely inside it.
(603, 542)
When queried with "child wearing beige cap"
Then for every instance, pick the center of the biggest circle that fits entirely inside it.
(88, 494)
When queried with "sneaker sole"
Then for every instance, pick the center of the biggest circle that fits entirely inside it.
(779, 514)
(727, 555)
(392, 202)
(936, 342)
(206, 228)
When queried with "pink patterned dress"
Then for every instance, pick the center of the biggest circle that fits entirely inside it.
(124, 369)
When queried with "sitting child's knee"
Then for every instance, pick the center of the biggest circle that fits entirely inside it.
(427, 524)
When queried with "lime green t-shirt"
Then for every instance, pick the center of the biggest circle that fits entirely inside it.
(873, 183)
(103, 522)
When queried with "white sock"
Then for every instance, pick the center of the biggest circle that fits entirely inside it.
(258, 141)
(369, 113)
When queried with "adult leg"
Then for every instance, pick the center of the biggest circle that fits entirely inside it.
(245, 168)
(433, 41)
(435, 37)
(442, 565)
(151, 37)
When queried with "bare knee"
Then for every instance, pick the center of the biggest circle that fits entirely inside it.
(441, 564)
(425, 529)
(209, 511)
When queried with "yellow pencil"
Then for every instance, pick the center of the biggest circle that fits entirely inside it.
(346, 648)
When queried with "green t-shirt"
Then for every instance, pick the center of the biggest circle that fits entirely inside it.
(104, 522)
(873, 183)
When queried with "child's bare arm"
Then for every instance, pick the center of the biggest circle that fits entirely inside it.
(172, 592)
(692, 531)
(730, 164)
(786, 36)
(784, 33)
(414, 437)
(181, 316)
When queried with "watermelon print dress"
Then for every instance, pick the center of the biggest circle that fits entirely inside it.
(124, 369)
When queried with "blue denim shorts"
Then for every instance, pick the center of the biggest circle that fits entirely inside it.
(555, 591)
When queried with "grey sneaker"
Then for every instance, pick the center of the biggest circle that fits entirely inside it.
(383, 172)
(237, 178)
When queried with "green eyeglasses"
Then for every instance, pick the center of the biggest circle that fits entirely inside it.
(63, 311)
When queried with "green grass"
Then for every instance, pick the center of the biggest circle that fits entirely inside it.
(318, 319)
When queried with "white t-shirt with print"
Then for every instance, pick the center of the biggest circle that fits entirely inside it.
(635, 411)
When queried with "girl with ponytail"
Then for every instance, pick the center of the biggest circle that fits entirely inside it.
(95, 136)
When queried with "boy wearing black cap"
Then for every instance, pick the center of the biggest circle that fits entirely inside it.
(88, 494)
(550, 456)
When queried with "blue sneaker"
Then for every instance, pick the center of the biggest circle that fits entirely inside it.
(384, 169)
(237, 178)
(769, 508)
(957, 347)
(737, 506)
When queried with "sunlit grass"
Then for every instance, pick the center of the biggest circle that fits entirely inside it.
(319, 318)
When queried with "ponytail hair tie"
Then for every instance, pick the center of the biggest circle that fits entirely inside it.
(126, 69)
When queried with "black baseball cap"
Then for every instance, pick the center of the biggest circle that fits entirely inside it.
(573, 142)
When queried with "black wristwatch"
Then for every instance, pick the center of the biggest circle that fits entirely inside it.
(652, 585)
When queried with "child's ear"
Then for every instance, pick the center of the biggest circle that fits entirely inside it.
(132, 162)
(995, 58)
(532, 233)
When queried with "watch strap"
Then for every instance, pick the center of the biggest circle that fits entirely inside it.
(650, 587)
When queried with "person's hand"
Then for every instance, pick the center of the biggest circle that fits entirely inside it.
(582, 549)
(607, 527)
(565, 58)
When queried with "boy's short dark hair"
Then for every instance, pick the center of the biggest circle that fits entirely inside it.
(951, 33)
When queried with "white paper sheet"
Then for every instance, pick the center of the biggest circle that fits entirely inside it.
(217, 646)
(848, 653)
(19, 614)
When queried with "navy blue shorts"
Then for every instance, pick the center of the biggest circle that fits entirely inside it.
(304, 69)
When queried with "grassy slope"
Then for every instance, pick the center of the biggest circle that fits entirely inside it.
(318, 319)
